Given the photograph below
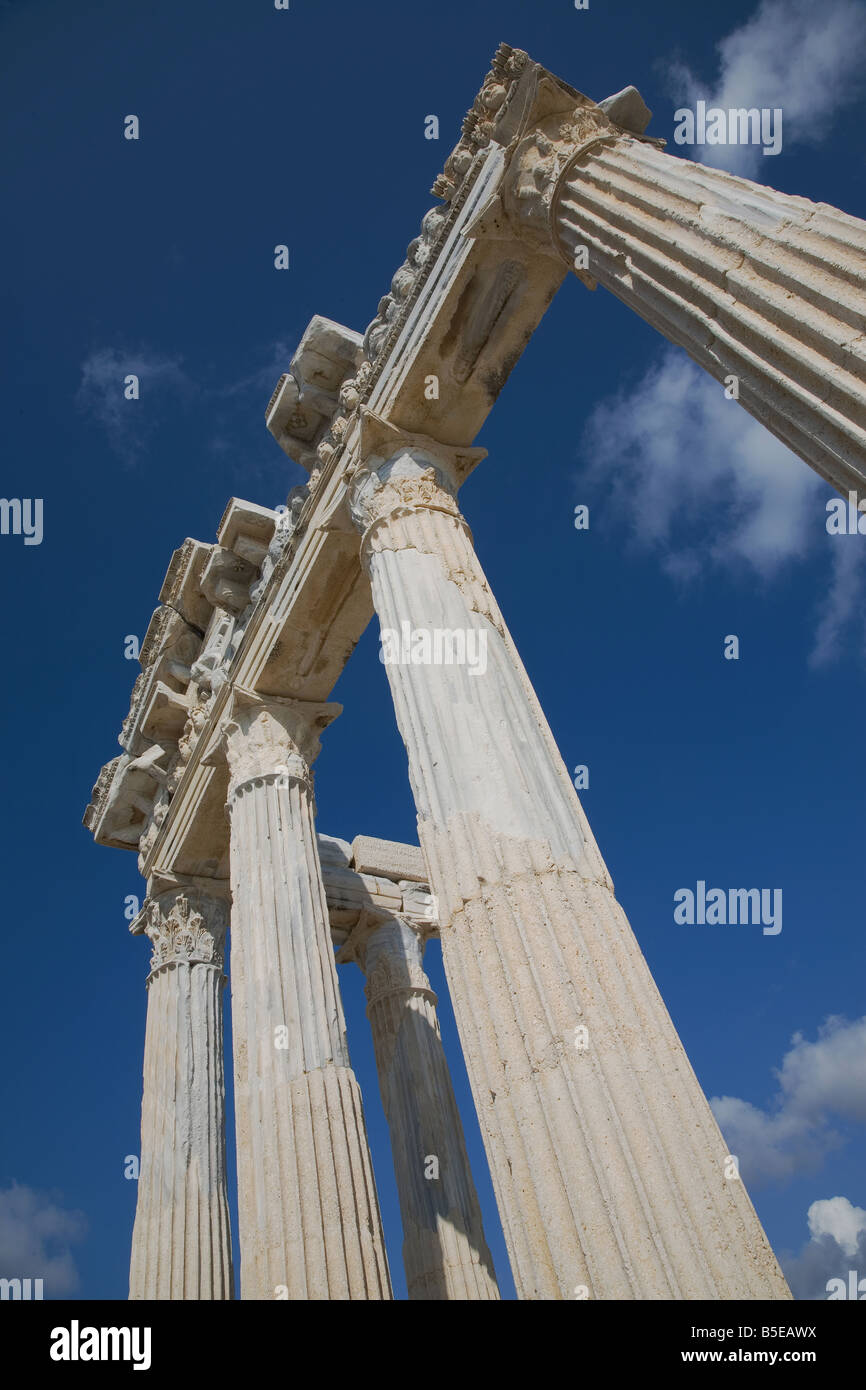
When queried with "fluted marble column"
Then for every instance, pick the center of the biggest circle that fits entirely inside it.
(752, 283)
(307, 1208)
(608, 1165)
(181, 1243)
(445, 1254)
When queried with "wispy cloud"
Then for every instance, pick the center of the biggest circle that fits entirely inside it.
(234, 409)
(843, 607)
(129, 423)
(805, 58)
(701, 484)
(817, 1081)
(35, 1239)
(837, 1244)
(262, 379)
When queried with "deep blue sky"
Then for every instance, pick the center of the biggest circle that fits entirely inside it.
(261, 127)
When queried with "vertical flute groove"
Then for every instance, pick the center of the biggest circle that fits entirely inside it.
(751, 282)
(308, 1213)
(607, 1164)
(181, 1245)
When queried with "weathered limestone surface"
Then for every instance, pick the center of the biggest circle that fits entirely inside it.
(751, 282)
(307, 1207)
(445, 1254)
(387, 857)
(608, 1165)
(181, 1244)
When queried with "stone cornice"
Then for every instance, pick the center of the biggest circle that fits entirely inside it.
(501, 109)
(324, 497)
(462, 307)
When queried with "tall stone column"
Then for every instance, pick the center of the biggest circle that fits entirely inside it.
(752, 283)
(608, 1165)
(307, 1207)
(445, 1254)
(181, 1243)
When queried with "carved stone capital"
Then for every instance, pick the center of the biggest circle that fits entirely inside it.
(274, 739)
(409, 482)
(401, 473)
(541, 163)
(185, 924)
(390, 953)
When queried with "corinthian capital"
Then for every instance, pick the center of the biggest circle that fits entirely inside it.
(401, 473)
(186, 925)
(266, 737)
(391, 954)
(541, 162)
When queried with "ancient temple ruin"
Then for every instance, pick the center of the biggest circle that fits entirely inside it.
(608, 1167)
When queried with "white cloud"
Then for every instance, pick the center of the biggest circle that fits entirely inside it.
(771, 1147)
(838, 1244)
(35, 1236)
(701, 483)
(817, 1080)
(804, 57)
(843, 607)
(680, 457)
(827, 1075)
(128, 423)
(836, 1217)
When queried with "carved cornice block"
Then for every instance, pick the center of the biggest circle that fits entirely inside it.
(165, 714)
(306, 400)
(99, 795)
(247, 529)
(227, 580)
(167, 655)
(181, 588)
(123, 799)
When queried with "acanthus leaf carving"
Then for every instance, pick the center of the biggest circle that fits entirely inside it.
(183, 934)
(541, 161)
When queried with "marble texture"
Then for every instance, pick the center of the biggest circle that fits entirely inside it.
(181, 1244)
(608, 1166)
(445, 1253)
(308, 1211)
